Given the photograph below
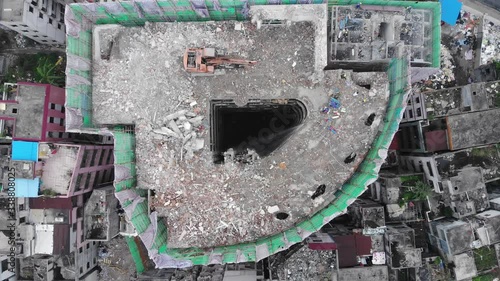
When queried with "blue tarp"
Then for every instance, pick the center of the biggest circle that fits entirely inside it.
(27, 188)
(450, 10)
(25, 151)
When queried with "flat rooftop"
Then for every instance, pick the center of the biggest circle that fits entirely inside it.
(29, 116)
(251, 147)
(482, 128)
(56, 173)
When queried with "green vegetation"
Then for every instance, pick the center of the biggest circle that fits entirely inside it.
(41, 68)
(484, 151)
(418, 192)
(410, 180)
(484, 277)
(485, 258)
(49, 192)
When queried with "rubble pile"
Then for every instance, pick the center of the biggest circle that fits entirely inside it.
(307, 264)
(143, 82)
(490, 48)
(445, 77)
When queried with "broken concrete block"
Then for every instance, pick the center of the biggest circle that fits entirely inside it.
(273, 209)
(175, 115)
(196, 121)
(166, 132)
(187, 126)
(197, 144)
(174, 127)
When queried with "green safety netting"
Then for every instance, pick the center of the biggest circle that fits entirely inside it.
(79, 21)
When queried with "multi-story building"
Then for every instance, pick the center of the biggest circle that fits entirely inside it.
(33, 112)
(389, 189)
(402, 256)
(102, 219)
(67, 170)
(439, 169)
(6, 274)
(367, 214)
(39, 20)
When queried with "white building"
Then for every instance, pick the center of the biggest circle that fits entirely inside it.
(5, 273)
(40, 20)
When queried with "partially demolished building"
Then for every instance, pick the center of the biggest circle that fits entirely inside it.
(237, 167)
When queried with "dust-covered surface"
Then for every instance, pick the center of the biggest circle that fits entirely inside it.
(207, 204)
(115, 261)
(307, 264)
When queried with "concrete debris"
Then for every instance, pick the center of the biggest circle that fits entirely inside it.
(490, 47)
(307, 264)
(175, 143)
(273, 209)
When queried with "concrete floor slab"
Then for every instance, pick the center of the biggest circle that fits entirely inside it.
(207, 204)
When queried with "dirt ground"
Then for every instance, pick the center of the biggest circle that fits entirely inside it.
(118, 264)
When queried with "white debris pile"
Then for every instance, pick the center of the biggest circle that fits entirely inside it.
(307, 264)
(445, 76)
(184, 126)
(490, 47)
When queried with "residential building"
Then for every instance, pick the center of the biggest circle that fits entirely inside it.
(465, 266)
(67, 170)
(33, 112)
(102, 221)
(372, 273)
(59, 228)
(402, 256)
(451, 237)
(39, 20)
(435, 121)
(389, 190)
(440, 168)
(6, 273)
(367, 214)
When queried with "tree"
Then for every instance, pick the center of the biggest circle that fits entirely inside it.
(418, 192)
(46, 72)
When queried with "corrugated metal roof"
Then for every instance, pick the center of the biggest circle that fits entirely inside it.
(51, 203)
(350, 247)
(61, 235)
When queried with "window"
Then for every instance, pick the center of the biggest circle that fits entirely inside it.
(88, 245)
(88, 264)
(45, 41)
(52, 106)
(59, 26)
(74, 226)
(417, 100)
(51, 119)
(474, 93)
(419, 112)
(81, 270)
(25, 30)
(60, 135)
(410, 113)
(21, 207)
(80, 250)
(14, 25)
(440, 184)
(30, 9)
(429, 167)
(14, 110)
(36, 36)
(22, 220)
(63, 109)
(50, 21)
(5, 264)
(61, 122)
(40, 15)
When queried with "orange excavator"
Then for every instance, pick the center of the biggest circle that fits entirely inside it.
(208, 62)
